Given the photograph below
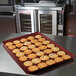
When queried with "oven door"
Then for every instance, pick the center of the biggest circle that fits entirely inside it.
(47, 21)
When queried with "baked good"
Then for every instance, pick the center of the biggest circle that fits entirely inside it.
(28, 63)
(23, 40)
(19, 45)
(48, 51)
(16, 42)
(53, 55)
(43, 47)
(39, 53)
(44, 57)
(31, 56)
(36, 50)
(34, 41)
(50, 45)
(46, 42)
(50, 62)
(19, 54)
(55, 49)
(58, 59)
(23, 48)
(66, 57)
(38, 43)
(11, 47)
(38, 36)
(15, 50)
(42, 65)
(31, 46)
(33, 68)
(27, 43)
(27, 51)
(23, 58)
(36, 60)
(60, 53)
(30, 38)
(41, 39)
(8, 43)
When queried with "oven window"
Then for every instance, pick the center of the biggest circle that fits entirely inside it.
(25, 20)
(46, 23)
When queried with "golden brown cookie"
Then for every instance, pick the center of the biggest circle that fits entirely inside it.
(38, 36)
(60, 53)
(46, 42)
(8, 43)
(28, 63)
(66, 57)
(16, 41)
(15, 50)
(31, 56)
(27, 51)
(58, 59)
(38, 44)
(23, 48)
(23, 40)
(50, 62)
(34, 41)
(23, 58)
(43, 47)
(50, 45)
(30, 38)
(39, 53)
(36, 60)
(11, 47)
(42, 65)
(31, 46)
(33, 68)
(41, 39)
(36, 50)
(19, 54)
(27, 43)
(44, 57)
(55, 49)
(48, 51)
(53, 55)
(19, 45)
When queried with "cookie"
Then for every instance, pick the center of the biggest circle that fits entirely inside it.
(15, 50)
(27, 51)
(42, 65)
(31, 56)
(38, 43)
(16, 42)
(33, 68)
(44, 57)
(27, 63)
(46, 42)
(66, 57)
(19, 45)
(8, 43)
(34, 41)
(23, 40)
(11, 47)
(50, 62)
(39, 53)
(38, 36)
(53, 55)
(27, 43)
(50, 45)
(23, 48)
(19, 54)
(36, 50)
(36, 60)
(31, 46)
(41, 39)
(58, 59)
(48, 51)
(30, 38)
(55, 49)
(43, 47)
(60, 53)
(23, 58)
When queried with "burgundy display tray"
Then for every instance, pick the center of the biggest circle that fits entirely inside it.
(32, 34)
